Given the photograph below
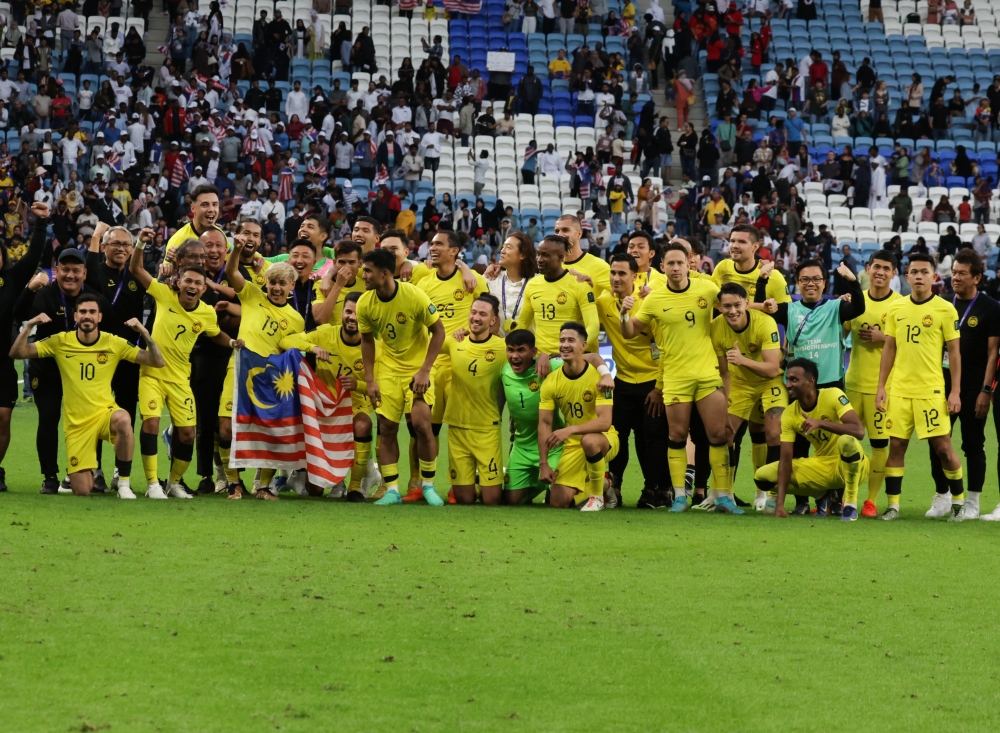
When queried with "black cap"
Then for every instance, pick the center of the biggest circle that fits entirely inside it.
(74, 255)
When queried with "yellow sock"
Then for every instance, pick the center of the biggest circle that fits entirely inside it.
(850, 467)
(149, 466)
(427, 470)
(177, 469)
(758, 453)
(266, 475)
(718, 459)
(894, 484)
(362, 452)
(232, 474)
(390, 475)
(877, 475)
(677, 462)
(595, 478)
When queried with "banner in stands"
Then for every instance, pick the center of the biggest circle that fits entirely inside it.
(500, 61)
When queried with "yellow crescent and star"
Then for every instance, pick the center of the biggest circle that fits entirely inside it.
(283, 383)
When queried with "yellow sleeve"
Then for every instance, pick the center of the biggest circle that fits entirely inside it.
(250, 292)
(319, 298)
(768, 334)
(157, 290)
(788, 425)
(890, 321)
(717, 275)
(48, 347)
(365, 324)
(301, 341)
(950, 323)
(588, 309)
(546, 398)
(125, 350)
(481, 286)
(428, 313)
(211, 328)
(716, 331)
(645, 312)
(777, 288)
(527, 315)
(843, 405)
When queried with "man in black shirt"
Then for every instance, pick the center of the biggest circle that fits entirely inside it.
(979, 339)
(940, 119)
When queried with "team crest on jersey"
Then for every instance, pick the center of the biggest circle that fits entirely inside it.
(259, 279)
(973, 322)
(151, 404)
(533, 385)
(358, 365)
(196, 327)
(102, 358)
(283, 324)
(74, 461)
(928, 321)
(561, 299)
(1, 282)
(506, 479)
(588, 396)
(401, 317)
(490, 355)
(34, 383)
(454, 474)
(459, 295)
(888, 424)
(753, 348)
(131, 285)
(675, 400)
(883, 318)
(702, 303)
(751, 290)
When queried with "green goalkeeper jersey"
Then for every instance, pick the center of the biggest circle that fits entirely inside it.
(523, 395)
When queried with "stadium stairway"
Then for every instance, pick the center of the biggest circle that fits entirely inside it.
(156, 36)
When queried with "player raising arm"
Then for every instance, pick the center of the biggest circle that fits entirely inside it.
(583, 397)
(917, 330)
(181, 317)
(86, 359)
(826, 419)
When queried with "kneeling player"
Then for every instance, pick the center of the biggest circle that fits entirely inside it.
(87, 360)
(826, 419)
(575, 390)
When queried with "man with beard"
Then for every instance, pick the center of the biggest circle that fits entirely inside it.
(204, 214)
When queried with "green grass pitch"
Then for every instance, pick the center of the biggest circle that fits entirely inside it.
(309, 615)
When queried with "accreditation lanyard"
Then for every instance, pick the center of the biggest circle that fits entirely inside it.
(295, 300)
(62, 297)
(503, 295)
(118, 292)
(968, 309)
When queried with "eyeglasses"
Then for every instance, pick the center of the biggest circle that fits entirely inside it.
(810, 279)
(118, 244)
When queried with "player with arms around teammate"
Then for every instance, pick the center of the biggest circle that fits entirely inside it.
(596, 269)
(682, 314)
(638, 404)
(406, 323)
(867, 339)
(181, 317)
(472, 414)
(917, 330)
(576, 391)
(744, 267)
(749, 351)
(826, 419)
(86, 359)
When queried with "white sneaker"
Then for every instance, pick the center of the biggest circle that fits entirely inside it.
(970, 509)
(114, 481)
(155, 491)
(177, 491)
(759, 501)
(371, 480)
(124, 492)
(993, 516)
(297, 480)
(594, 504)
(338, 491)
(64, 487)
(940, 507)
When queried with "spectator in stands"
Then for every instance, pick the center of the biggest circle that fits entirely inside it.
(708, 156)
(944, 211)
(902, 208)
(915, 93)
(940, 119)
(819, 101)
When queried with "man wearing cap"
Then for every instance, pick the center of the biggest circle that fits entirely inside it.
(100, 170)
(137, 136)
(58, 301)
(198, 179)
(125, 152)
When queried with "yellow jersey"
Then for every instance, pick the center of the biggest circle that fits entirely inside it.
(759, 335)
(475, 381)
(651, 279)
(921, 331)
(597, 269)
(401, 324)
(682, 322)
(86, 372)
(418, 273)
(576, 398)
(862, 372)
(263, 324)
(777, 288)
(187, 232)
(336, 318)
(634, 358)
(345, 358)
(175, 331)
(450, 298)
(553, 303)
(831, 405)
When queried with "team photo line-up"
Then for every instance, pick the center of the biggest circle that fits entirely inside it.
(700, 360)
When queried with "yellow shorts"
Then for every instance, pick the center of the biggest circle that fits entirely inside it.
(360, 404)
(440, 382)
(154, 394)
(676, 391)
(928, 417)
(226, 399)
(752, 401)
(397, 397)
(473, 452)
(571, 470)
(814, 476)
(81, 440)
(873, 420)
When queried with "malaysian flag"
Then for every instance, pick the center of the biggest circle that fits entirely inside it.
(463, 6)
(285, 418)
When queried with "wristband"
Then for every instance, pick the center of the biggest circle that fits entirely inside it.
(603, 370)
(140, 245)
(232, 343)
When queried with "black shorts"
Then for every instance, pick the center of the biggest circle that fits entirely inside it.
(8, 382)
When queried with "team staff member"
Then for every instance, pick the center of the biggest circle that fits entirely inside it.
(306, 294)
(748, 347)
(682, 313)
(204, 214)
(517, 264)
(339, 282)
(596, 269)
(407, 324)
(635, 406)
(554, 297)
(86, 359)
(589, 438)
(641, 247)
(837, 464)
(57, 300)
(867, 338)
(917, 330)
(13, 283)
(473, 413)
(979, 337)
(343, 345)
(181, 318)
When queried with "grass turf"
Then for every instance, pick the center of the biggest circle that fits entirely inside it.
(307, 615)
